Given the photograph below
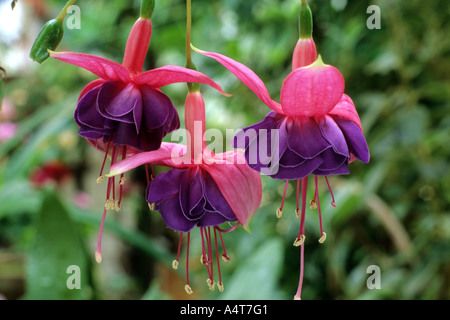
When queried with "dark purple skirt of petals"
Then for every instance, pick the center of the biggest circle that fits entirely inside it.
(189, 198)
(319, 146)
(139, 117)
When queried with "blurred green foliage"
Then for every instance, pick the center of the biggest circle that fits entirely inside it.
(393, 212)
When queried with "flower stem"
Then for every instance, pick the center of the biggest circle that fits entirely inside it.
(62, 15)
(188, 31)
(189, 64)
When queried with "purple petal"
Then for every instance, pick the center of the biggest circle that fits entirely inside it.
(164, 186)
(332, 160)
(301, 171)
(125, 135)
(333, 134)
(116, 101)
(211, 219)
(343, 169)
(157, 107)
(356, 141)
(86, 113)
(305, 138)
(217, 201)
(172, 215)
(191, 191)
(291, 159)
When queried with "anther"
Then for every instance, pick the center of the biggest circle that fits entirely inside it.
(313, 204)
(300, 240)
(279, 213)
(110, 204)
(100, 179)
(122, 181)
(117, 206)
(225, 258)
(188, 289)
(175, 264)
(220, 286)
(333, 204)
(151, 206)
(323, 237)
(211, 284)
(298, 213)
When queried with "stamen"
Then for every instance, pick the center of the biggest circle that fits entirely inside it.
(302, 232)
(210, 261)
(188, 287)
(122, 180)
(100, 178)
(175, 263)
(147, 174)
(297, 210)
(333, 203)
(318, 205)
(313, 204)
(218, 260)
(220, 286)
(225, 257)
(203, 258)
(151, 206)
(280, 210)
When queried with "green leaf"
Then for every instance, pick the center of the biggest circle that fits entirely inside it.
(56, 248)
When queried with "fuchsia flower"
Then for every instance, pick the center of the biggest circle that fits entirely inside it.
(124, 112)
(318, 128)
(202, 189)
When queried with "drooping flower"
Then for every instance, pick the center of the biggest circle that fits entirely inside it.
(203, 189)
(125, 112)
(317, 128)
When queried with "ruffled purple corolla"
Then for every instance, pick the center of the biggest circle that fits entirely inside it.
(129, 115)
(188, 198)
(307, 145)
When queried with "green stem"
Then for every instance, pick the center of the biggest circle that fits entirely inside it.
(62, 15)
(189, 64)
(188, 32)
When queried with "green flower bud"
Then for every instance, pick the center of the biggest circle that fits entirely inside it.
(49, 38)
(305, 21)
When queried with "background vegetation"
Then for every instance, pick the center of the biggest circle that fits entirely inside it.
(392, 212)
